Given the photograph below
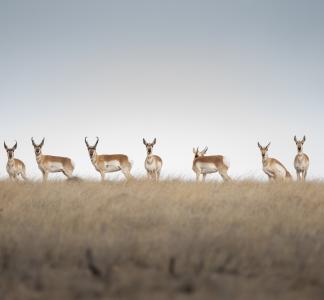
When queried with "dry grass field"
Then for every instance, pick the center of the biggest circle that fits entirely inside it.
(171, 240)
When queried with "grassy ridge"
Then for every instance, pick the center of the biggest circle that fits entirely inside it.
(177, 240)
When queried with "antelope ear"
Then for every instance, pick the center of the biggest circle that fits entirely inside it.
(5, 146)
(154, 141)
(205, 150)
(268, 146)
(42, 143)
(144, 142)
(304, 138)
(259, 145)
(15, 146)
(194, 150)
(295, 139)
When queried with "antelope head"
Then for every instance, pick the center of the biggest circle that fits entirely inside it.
(10, 151)
(300, 143)
(264, 150)
(198, 153)
(38, 148)
(149, 146)
(91, 149)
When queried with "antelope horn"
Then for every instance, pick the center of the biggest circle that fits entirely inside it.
(96, 143)
(32, 140)
(86, 142)
(42, 143)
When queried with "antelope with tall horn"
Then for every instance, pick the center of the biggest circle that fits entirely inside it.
(153, 163)
(108, 163)
(301, 162)
(52, 164)
(203, 165)
(15, 167)
(273, 167)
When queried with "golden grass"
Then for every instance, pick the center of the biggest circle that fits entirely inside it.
(171, 240)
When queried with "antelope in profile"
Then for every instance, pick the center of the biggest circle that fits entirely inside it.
(108, 163)
(203, 165)
(15, 167)
(301, 162)
(273, 167)
(52, 164)
(153, 163)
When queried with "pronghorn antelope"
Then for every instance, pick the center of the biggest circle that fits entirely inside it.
(15, 167)
(301, 162)
(109, 163)
(273, 167)
(153, 163)
(203, 165)
(52, 164)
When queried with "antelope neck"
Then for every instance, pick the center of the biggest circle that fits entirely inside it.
(265, 158)
(94, 157)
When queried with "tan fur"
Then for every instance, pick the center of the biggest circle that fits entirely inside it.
(203, 165)
(52, 164)
(301, 162)
(153, 163)
(109, 163)
(272, 167)
(15, 167)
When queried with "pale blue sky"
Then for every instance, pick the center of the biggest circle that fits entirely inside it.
(226, 74)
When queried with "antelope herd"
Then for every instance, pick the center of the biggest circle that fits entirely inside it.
(107, 163)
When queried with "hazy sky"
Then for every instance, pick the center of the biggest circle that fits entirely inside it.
(226, 74)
